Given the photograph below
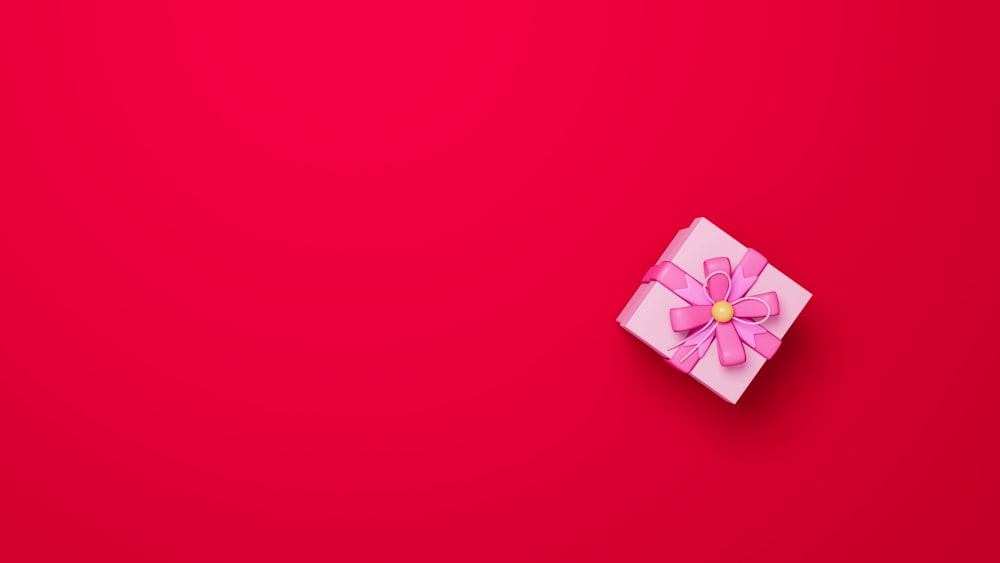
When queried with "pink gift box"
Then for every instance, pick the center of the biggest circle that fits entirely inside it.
(714, 308)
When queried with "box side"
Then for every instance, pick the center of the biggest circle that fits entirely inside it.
(640, 294)
(678, 241)
(633, 304)
(649, 320)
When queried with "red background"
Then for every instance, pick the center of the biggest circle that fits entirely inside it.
(291, 282)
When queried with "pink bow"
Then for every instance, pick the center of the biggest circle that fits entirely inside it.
(719, 309)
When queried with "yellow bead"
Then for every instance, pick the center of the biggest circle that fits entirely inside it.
(722, 312)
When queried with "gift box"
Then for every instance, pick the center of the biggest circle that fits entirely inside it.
(714, 308)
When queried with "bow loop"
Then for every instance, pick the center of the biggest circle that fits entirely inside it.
(718, 282)
(690, 318)
(721, 312)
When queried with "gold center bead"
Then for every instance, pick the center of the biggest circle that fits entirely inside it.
(722, 311)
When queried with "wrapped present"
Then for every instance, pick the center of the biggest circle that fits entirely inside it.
(714, 308)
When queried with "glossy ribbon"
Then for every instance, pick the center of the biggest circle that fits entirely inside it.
(722, 283)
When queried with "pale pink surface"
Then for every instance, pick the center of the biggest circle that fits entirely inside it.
(647, 314)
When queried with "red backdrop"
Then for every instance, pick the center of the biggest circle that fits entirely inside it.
(287, 281)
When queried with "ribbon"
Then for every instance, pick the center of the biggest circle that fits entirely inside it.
(719, 309)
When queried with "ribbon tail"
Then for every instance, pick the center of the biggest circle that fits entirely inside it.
(690, 358)
(760, 305)
(758, 338)
(690, 317)
(691, 350)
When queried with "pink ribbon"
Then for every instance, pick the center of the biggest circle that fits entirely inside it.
(722, 286)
